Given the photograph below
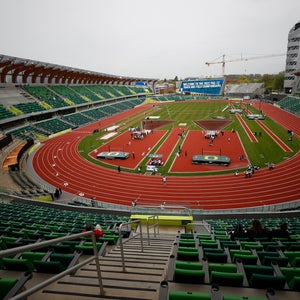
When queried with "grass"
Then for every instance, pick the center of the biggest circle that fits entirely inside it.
(259, 154)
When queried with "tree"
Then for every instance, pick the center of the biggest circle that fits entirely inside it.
(273, 82)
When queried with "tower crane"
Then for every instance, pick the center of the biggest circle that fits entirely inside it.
(224, 61)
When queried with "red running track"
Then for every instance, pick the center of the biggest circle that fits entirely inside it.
(59, 163)
(286, 119)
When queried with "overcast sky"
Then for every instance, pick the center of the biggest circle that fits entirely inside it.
(150, 39)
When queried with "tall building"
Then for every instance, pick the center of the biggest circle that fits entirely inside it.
(291, 81)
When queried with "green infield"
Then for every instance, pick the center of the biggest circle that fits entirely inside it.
(259, 153)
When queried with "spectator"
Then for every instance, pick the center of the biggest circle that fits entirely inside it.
(257, 230)
(98, 232)
(56, 193)
(164, 180)
(162, 206)
(281, 232)
(88, 227)
(238, 232)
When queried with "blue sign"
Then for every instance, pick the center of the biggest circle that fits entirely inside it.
(140, 83)
(203, 86)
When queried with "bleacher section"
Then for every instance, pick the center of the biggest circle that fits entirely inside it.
(111, 90)
(23, 224)
(53, 125)
(197, 261)
(217, 258)
(29, 107)
(100, 91)
(291, 104)
(96, 113)
(77, 119)
(4, 113)
(85, 92)
(44, 94)
(60, 96)
(43, 129)
(20, 222)
(124, 90)
(140, 90)
(71, 97)
(238, 90)
(28, 131)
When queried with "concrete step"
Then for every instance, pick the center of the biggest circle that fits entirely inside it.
(144, 271)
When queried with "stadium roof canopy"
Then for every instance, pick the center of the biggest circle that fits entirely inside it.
(16, 70)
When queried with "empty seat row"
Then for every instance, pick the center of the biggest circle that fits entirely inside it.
(238, 275)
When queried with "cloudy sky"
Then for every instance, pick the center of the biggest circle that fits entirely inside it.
(150, 39)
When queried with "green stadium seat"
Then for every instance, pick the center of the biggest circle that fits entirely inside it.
(87, 248)
(111, 239)
(189, 276)
(186, 236)
(10, 287)
(253, 269)
(237, 251)
(186, 243)
(214, 250)
(267, 281)
(32, 256)
(209, 244)
(204, 236)
(249, 259)
(188, 254)
(229, 268)
(281, 261)
(216, 257)
(188, 265)
(293, 257)
(246, 245)
(262, 254)
(17, 264)
(290, 273)
(49, 266)
(61, 248)
(227, 278)
(222, 237)
(6, 284)
(295, 283)
(230, 245)
(65, 259)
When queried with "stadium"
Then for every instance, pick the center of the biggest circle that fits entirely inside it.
(168, 177)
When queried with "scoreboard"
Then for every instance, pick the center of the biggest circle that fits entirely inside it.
(203, 86)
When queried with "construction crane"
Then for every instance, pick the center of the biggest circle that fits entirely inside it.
(224, 61)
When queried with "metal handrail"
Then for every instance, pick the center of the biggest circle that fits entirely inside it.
(198, 223)
(30, 291)
(121, 240)
(154, 225)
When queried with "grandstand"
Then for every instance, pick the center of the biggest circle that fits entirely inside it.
(291, 104)
(250, 90)
(177, 250)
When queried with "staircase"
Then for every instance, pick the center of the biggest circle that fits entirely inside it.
(144, 271)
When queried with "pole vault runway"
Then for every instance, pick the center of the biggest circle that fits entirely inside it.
(58, 162)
